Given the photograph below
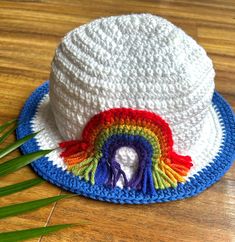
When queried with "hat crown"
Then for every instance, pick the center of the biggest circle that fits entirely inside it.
(136, 61)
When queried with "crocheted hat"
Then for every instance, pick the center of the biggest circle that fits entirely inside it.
(131, 105)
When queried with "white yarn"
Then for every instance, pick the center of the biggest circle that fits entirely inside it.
(139, 61)
(128, 160)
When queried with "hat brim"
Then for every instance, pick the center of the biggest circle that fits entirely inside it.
(203, 178)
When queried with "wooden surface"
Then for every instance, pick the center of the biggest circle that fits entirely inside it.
(29, 34)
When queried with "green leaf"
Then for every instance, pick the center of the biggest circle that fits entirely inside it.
(7, 124)
(15, 209)
(21, 235)
(16, 144)
(19, 186)
(17, 163)
(19, 208)
(7, 134)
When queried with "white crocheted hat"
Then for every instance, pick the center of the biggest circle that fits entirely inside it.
(132, 106)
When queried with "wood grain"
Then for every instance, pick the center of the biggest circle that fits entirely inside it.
(29, 34)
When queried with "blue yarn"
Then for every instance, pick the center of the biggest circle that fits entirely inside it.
(144, 151)
(150, 183)
(102, 172)
(196, 184)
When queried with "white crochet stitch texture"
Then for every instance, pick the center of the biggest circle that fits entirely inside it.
(139, 61)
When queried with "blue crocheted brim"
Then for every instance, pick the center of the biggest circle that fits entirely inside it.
(196, 184)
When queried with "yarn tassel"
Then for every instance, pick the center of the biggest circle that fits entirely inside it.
(150, 187)
(72, 147)
(102, 172)
(136, 180)
(115, 173)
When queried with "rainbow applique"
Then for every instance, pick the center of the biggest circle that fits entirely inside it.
(93, 157)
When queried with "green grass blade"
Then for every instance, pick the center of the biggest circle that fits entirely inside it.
(22, 235)
(17, 163)
(7, 124)
(7, 134)
(19, 208)
(19, 186)
(16, 145)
